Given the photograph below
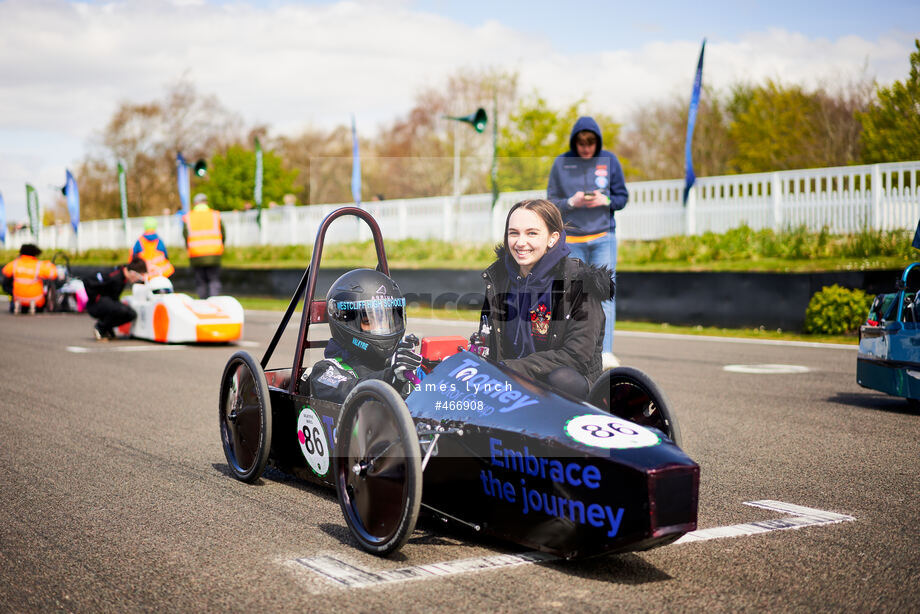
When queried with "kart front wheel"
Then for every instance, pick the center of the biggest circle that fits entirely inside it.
(378, 473)
(245, 417)
(629, 393)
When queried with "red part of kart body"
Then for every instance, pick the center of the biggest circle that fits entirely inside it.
(498, 452)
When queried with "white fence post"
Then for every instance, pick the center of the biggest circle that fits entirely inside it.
(776, 189)
(876, 197)
(690, 212)
(448, 233)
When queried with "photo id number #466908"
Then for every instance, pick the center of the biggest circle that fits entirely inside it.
(460, 405)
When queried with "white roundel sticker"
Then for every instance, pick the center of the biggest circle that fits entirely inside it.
(609, 432)
(312, 439)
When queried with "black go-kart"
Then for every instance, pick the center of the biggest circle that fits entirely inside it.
(472, 443)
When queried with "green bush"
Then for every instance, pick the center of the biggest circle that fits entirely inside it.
(836, 311)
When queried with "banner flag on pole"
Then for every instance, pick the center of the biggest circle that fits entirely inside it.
(916, 242)
(2, 221)
(183, 180)
(73, 201)
(257, 190)
(123, 191)
(32, 208)
(691, 123)
(355, 164)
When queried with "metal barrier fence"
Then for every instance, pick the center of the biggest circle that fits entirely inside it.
(844, 199)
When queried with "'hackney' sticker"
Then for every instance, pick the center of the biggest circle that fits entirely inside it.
(313, 441)
(609, 432)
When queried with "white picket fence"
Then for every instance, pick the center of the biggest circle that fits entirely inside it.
(843, 199)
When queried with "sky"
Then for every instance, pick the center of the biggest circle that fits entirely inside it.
(66, 65)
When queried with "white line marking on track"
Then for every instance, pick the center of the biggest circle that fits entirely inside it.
(350, 576)
(800, 344)
(346, 575)
(802, 517)
(76, 349)
(768, 369)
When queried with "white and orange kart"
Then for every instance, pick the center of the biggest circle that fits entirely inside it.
(168, 317)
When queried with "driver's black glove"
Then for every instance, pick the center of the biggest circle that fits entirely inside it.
(404, 361)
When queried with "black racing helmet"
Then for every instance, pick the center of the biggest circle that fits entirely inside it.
(366, 313)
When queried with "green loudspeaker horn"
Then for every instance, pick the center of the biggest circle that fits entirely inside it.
(477, 120)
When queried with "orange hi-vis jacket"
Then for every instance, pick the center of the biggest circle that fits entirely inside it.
(27, 273)
(204, 237)
(157, 263)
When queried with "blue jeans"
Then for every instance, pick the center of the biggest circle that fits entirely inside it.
(598, 252)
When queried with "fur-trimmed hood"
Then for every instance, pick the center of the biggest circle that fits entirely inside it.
(596, 280)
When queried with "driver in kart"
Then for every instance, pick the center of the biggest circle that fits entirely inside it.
(366, 314)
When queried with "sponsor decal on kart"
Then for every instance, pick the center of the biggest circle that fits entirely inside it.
(609, 432)
(519, 466)
(312, 439)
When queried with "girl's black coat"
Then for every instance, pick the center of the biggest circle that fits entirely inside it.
(576, 328)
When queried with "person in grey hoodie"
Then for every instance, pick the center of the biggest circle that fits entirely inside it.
(587, 185)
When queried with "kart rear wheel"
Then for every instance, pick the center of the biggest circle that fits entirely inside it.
(629, 393)
(52, 301)
(245, 417)
(378, 473)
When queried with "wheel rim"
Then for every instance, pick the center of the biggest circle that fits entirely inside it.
(242, 420)
(374, 471)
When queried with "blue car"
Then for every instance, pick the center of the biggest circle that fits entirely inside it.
(889, 341)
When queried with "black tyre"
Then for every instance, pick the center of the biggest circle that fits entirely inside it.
(245, 417)
(378, 473)
(629, 393)
(52, 300)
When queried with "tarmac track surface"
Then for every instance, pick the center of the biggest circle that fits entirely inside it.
(115, 495)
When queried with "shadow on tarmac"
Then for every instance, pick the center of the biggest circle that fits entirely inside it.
(877, 401)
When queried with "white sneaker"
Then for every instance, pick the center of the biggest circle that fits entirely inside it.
(609, 361)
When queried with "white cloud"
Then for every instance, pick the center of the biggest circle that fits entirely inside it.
(65, 67)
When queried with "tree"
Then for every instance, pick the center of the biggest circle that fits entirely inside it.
(654, 145)
(891, 127)
(232, 178)
(146, 137)
(534, 135)
(414, 155)
(323, 164)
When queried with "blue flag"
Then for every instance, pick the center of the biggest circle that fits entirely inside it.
(73, 201)
(355, 165)
(183, 180)
(2, 221)
(916, 242)
(691, 123)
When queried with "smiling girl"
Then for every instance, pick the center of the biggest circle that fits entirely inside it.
(544, 308)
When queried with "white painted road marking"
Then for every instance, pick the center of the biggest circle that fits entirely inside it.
(347, 575)
(350, 576)
(802, 517)
(768, 369)
(76, 349)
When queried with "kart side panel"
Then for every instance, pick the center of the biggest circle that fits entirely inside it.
(512, 468)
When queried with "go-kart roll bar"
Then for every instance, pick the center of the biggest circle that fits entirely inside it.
(315, 311)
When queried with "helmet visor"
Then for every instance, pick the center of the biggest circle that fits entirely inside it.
(380, 316)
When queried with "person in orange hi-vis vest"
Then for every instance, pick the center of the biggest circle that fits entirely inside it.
(204, 236)
(24, 279)
(151, 248)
